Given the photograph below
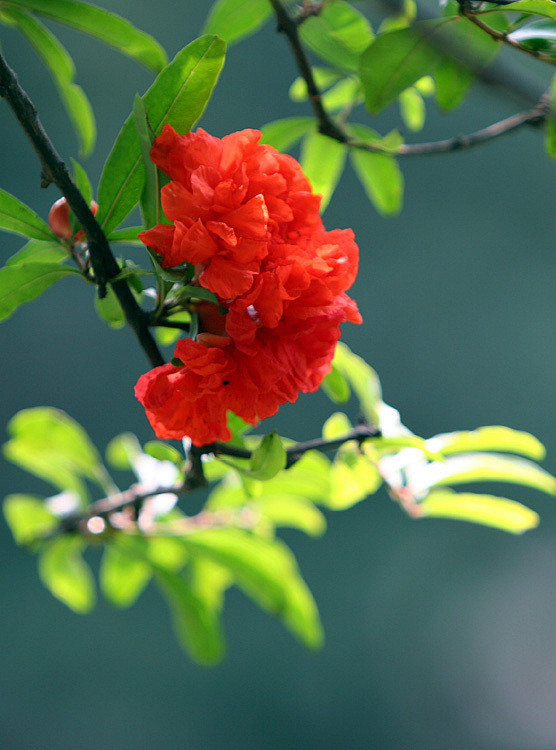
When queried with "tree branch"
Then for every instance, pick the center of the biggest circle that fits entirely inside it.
(296, 451)
(534, 116)
(55, 171)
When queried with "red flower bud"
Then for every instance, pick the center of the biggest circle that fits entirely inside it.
(58, 219)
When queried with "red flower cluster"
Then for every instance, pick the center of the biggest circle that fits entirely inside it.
(245, 217)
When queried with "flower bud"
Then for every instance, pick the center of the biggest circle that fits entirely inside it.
(58, 219)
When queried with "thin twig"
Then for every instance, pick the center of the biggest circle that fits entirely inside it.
(534, 116)
(296, 451)
(53, 170)
(500, 36)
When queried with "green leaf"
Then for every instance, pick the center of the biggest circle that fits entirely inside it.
(345, 93)
(452, 83)
(129, 235)
(268, 459)
(282, 134)
(167, 553)
(362, 378)
(108, 27)
(196, 622)
(108, 309)
(150, 197)
(18, 218)
(62, 70)
(122, 450)
(322, 160)
(545, 8)
(308, 478)
(338, 34)
(37, 251)
(492, 438)
(550, 137)
(82, 181)
(164, 452)
(67, 576)
(266, 571)
(122, 577)
(21, 283)
(323, 77)
(352, 478)
(28, 518)
(379, 174)
(167, 336)
(178, 96)
(412, 109)
(336, 386)
(470, 50)
(336, 426)
(539, 36)
(51, 445)
(483, 467)
(233, 20)
(293, 512)
(488, 510)
(396, 60)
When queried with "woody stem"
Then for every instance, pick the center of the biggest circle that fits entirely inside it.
(54, 170)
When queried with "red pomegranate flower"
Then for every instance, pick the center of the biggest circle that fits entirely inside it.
(245, 217)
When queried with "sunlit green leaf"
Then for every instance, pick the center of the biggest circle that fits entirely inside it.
(110, 28)
(37, 251)
(82, 181)
(336, 386)
(24, 282)
(267, 571)
(412, 108)
(150, 197)
(233, 20)
(546, 8)
(483, 467)
(28, 518)
(352, 478)
(62, 69)
(338, 34)
(492, 438)
(122, 576)
(379, 174)
(196, 623)
(322, 160)
(452, 83)
(48, 443)
(308, 478)
(127, 235)
(337, 425)
(178, 96)
(292, 511)
(67, 576)
(396, 60)
(108, 309)
(362, 378)
(282, 134)
(268, 459)
(122, 450)
(405, 17)
(18, 218)
(164, 452)
(323, 77)
(167, 336)
(345, 93)
(488, 510)
(167, 553)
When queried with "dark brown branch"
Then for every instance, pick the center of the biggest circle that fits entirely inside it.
(295, 452)
(289, 27)
(55, 171)
(534, 116)
(499, 36)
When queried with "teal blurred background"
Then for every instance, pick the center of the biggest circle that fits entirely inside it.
(438, 634)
